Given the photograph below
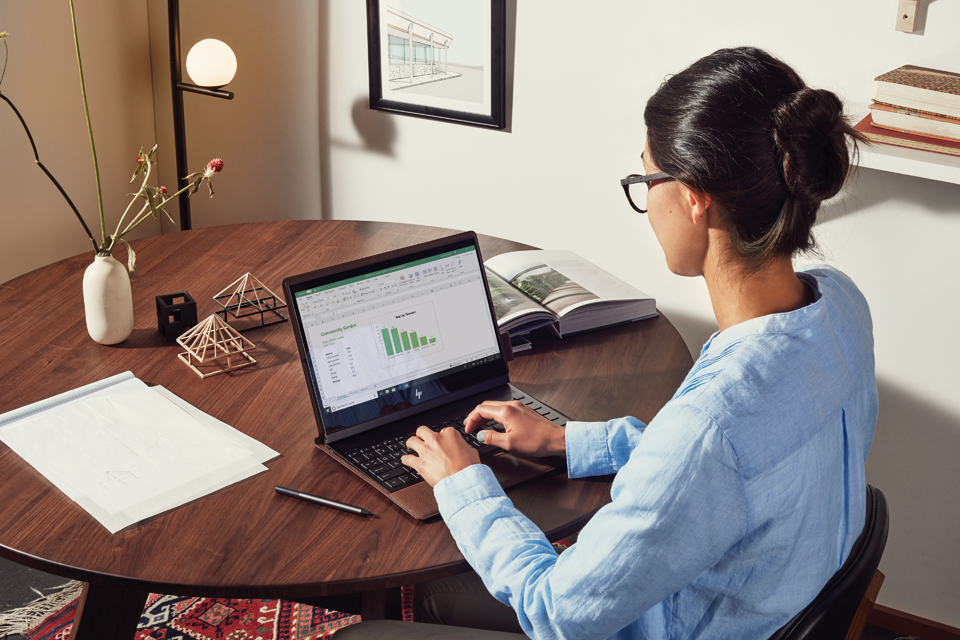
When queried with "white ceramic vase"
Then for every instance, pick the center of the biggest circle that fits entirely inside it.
(107, 301)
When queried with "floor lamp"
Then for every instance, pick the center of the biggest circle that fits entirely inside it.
(211, 64)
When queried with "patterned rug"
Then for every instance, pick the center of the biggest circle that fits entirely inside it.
(184, 618)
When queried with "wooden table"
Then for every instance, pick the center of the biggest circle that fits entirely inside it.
(245, 541)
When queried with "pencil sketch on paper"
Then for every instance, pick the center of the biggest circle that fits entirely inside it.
(113, 478)
(428, 60)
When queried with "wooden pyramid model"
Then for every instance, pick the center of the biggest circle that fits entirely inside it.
(247, 297)
(212, 342)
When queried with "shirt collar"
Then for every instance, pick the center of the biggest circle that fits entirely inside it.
(772, 323)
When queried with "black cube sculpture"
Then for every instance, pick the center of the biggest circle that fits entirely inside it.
(176, 312)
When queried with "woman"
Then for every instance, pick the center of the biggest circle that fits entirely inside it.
(744, 495)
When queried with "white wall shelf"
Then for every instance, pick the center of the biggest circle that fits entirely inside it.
(911, 162)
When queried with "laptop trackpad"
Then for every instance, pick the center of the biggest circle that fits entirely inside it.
(510, 470)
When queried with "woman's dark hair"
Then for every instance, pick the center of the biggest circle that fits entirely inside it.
(741, 126)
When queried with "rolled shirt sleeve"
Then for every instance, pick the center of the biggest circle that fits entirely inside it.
(678, 507)
(601, 448)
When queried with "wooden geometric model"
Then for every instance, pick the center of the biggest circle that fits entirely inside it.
(212, 341)
(247, 297)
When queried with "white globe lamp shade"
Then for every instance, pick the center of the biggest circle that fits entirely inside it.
(211, 63)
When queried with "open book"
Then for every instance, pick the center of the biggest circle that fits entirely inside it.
(561, 291)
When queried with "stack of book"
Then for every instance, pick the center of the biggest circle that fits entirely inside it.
(918, 108)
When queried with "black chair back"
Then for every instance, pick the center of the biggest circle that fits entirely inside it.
(830, 614)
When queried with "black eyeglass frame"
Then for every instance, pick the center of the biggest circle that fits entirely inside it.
(634, 178)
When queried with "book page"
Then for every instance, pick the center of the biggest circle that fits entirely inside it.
(544, 284)
(561, 280)
(508, 301)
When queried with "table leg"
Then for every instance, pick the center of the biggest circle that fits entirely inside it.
(373, 605)
(107, 613)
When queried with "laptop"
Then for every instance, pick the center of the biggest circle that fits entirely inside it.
(396, 341)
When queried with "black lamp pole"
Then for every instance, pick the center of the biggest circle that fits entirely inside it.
(179, 128)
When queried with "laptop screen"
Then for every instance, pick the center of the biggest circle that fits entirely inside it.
(396, 333)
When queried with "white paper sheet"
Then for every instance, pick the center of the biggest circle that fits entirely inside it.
(126, 452)
(114, 384)
(260, 451)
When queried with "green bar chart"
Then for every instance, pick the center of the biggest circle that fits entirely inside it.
(387, 342)
(396, 341)
(412, 332)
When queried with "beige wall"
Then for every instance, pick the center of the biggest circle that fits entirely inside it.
(269, 135)
(299, 142)
(42, 80)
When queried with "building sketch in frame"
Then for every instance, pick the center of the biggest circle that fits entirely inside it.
(438, 59)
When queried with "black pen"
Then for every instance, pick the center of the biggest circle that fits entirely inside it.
(323, 502)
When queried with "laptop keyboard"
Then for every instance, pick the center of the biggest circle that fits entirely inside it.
(381, 461)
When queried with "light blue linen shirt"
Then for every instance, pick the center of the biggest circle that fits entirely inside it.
(730, 510)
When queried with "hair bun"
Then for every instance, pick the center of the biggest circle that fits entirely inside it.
(809, 133)
(741, 126)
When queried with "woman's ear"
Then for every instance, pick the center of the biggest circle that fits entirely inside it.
(697, 204)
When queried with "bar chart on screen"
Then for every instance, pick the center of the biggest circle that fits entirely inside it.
(411, 323)
(411, 332)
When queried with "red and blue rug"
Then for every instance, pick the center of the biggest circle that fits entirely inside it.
(185, 618)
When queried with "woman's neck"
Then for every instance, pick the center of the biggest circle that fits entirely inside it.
(739, 294)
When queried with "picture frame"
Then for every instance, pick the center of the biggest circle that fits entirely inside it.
(439, 59)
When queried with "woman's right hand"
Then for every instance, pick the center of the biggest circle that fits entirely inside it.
(526, 431)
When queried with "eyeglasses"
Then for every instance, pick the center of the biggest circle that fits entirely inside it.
(637, 186)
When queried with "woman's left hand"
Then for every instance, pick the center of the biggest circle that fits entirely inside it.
(439, 455)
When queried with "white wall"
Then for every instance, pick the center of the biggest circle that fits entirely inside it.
(299, 142)
(581, 75)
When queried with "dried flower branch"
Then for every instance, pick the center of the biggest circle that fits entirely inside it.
(155, 198)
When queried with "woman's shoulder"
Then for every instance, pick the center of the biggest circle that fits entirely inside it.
(789, 355)
(845, 310)
(833, 283)
(771, 386)
(785, 347)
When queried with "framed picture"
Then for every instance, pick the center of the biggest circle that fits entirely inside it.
(439, 59)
